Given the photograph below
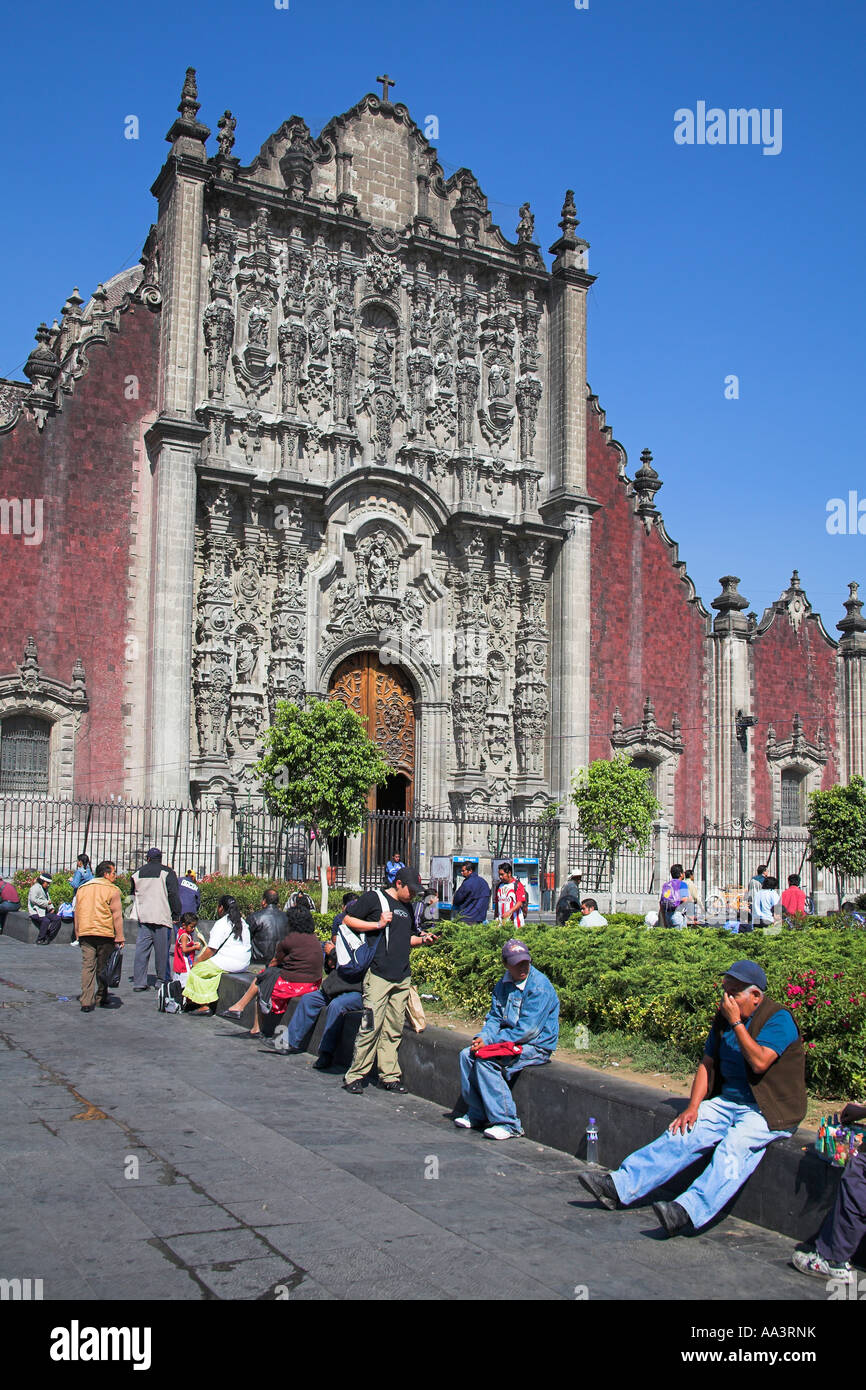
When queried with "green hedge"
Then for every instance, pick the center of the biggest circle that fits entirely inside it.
(664, 985)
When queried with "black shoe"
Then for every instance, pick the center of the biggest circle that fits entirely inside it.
(323, 1062)
(602, 1187)
(140, 989)
(355, 1088)
(111, 1002)
(87, 1008)
(394, 1086)
(672, 1216)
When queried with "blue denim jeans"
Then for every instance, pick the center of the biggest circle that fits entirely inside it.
(739, 1136)
(484, 1086)
(309, 1007)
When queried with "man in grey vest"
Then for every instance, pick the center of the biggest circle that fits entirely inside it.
(156, 904)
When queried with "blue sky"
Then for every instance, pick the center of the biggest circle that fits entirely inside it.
(712, 260)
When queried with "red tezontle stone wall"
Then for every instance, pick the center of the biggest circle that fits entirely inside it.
(70, 592)
(646, 638)
(792, 673)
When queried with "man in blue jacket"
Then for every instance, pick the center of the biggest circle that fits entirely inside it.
(524, 1011)
(472, 897)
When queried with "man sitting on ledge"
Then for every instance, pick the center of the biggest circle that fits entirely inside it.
(523, 1028)
(748, 1091)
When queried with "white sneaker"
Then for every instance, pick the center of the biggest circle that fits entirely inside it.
(500, 1132)
(463, 1122)
(810, 1262)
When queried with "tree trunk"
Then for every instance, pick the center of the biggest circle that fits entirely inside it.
(613, 865)
(324, 866)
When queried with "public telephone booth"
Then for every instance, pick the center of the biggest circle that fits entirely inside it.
(527, 870)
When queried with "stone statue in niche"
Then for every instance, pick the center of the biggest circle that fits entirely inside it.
(377, 568)
(382, 350)
(258, 329)
(245, 661)
(498, 382)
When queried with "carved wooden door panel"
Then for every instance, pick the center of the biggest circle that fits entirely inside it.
(383, 697)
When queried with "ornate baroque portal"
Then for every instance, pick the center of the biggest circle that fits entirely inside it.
(383, 697)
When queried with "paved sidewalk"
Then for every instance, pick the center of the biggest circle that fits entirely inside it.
(146, 1156)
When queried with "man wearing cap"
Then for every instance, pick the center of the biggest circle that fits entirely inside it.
(569, 900)
(748, 1091)
(388, 913)
(156, 904)
(524, 1015)
(41, 910)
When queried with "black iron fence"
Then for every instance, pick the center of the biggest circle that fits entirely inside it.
(48, 834)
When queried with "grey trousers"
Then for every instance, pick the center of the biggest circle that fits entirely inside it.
(151, 937)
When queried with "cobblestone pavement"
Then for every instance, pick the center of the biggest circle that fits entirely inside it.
(146, 1156)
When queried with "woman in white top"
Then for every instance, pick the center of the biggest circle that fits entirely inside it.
(765, 902)
(228, 948)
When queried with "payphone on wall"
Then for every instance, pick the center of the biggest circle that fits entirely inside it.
(527, 870)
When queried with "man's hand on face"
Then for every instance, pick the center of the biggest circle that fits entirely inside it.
(730, 1009)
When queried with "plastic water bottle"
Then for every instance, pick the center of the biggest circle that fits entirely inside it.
(591, 1141)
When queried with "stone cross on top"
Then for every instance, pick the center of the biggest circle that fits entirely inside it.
(386, 83)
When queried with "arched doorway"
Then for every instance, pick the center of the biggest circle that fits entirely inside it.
(383, 697)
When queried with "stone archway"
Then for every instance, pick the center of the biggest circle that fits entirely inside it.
(384, 698)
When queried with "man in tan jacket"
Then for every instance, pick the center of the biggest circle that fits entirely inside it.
(98, 929)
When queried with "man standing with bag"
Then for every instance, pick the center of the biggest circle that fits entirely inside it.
(99, 928)
(387, 981)
(156, 904)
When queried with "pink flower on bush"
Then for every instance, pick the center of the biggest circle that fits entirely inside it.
(794, 989)
(811, 1044)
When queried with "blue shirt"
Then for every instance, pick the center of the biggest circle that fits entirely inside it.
(81, 876)
(777, 1033)
(392, 868)
(190, 895)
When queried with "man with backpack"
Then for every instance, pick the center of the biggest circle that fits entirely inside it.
(386, 918)
(511, 898)
(674, 896)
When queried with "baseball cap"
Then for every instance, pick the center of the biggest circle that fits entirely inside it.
(411, 878)
(514, 951)
(748, 972)
(153, 854)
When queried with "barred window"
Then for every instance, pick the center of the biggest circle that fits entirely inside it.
(792, 798)
(24, 745)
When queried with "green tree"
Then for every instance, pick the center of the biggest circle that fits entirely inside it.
(837, 825)
(615, 808)
(317, 768)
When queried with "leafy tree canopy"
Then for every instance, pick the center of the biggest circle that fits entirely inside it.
(615, 804)
(319, 765)
(837, 822)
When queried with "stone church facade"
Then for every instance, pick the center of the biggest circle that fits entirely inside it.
(333, 436)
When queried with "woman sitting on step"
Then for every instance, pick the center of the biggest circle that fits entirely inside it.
(229, 948)
(296, 969)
